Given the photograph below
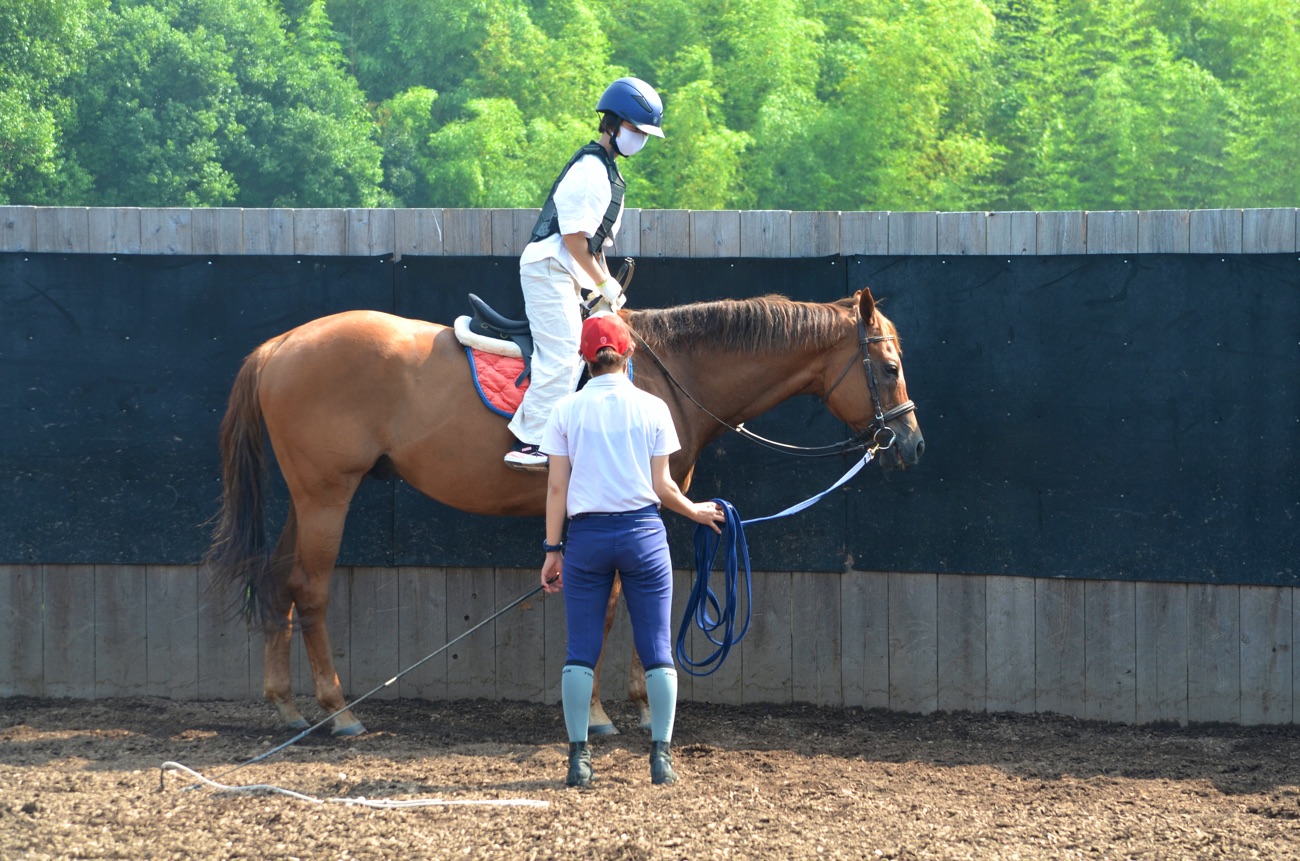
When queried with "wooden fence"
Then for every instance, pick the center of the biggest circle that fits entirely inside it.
(1123, 651)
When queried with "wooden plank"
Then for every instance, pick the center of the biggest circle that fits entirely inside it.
(913, 233)
(17, 228)
(267, 231)
(320, 232)
(913, 641)
(815, 651)
(962, 232)
(1215, 231)
(172, 626)
(467, 232)
(726, 683)
(1266, 649)
(1213, 653)
(665, 233)
(338, 620)
(765, 233)
(371, 232)
(114, 230)
(1164, 231)
(62, 229)
(165, 231)
(864, 233)
(682, 580)
(814, 234)
(556, 646)
(1112, 232)
(864, 634)
(68, 636)
(375, 627)
(217, 231)
(1058, 646)
(511, 230)
(1268, 231)
(715, 233)
(418, 231)
(225, 646)
(997, 233)
(1110, 651)
(627, 242)
(422, 630)
(1161, 653)
(1009, 635)
(121, 626)
(1024, 233)
(22, 599)
(1061, 233)
(471, 666)
(960, 621)
(520, 638)
(767, 651)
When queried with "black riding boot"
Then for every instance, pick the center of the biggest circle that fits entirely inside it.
(661, 763)
(579, 765)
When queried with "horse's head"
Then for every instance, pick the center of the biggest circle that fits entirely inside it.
(873, 398)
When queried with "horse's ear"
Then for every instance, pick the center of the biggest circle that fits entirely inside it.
(866, 304)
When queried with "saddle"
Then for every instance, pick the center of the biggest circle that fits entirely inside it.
(492, 332)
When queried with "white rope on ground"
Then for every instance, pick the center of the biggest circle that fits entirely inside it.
(360, 801)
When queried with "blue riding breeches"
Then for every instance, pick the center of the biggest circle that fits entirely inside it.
(634, 544)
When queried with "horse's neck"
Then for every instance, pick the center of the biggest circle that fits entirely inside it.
(735, 388)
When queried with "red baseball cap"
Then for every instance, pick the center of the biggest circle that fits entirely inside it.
(604, 330)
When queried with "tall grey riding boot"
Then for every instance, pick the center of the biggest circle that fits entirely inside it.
(579, 765)
(661, 763)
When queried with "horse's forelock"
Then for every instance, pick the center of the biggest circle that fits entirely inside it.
(747, 325)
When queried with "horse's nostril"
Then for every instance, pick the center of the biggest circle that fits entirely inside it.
(920, 449)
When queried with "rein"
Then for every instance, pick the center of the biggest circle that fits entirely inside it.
(877, 437)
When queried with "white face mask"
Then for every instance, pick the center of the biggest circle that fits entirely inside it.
(630, 141)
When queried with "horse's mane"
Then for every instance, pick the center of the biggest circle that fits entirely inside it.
(743, 325)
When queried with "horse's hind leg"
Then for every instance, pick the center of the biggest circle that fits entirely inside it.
(598, 722)
(277, 634)
(320, 531)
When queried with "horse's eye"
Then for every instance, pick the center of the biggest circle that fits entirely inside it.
(891, 368)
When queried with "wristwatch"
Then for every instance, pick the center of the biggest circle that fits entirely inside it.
(552, 548)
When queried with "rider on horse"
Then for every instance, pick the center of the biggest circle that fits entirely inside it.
(566, 257)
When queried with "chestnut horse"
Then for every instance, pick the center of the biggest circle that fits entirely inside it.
(343, 395)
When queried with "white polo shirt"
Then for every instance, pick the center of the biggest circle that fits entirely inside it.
(581, 200)
(609, 431)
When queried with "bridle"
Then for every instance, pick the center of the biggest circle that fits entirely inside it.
(880, 422)
(878, 436)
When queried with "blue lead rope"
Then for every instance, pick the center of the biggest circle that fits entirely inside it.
(703, 607)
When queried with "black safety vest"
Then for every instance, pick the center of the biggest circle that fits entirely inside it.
(549, 221)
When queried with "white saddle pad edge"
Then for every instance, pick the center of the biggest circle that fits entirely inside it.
(487, 345)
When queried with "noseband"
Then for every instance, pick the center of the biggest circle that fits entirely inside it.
(882, 436)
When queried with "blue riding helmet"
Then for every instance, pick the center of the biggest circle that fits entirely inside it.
(634, 100)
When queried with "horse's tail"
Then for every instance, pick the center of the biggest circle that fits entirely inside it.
(238, 556)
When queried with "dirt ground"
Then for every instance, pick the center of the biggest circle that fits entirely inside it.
(81, 779)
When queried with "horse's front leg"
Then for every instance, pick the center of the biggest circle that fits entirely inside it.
(636, 691)
(598, 723)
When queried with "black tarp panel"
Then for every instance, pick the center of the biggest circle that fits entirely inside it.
(1130, 417)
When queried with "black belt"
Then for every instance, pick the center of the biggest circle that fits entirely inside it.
(649, 509)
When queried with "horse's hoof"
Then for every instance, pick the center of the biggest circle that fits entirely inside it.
(295, 725)
(602, 729)
(348, 731)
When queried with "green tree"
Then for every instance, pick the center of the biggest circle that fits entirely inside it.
(42, 45)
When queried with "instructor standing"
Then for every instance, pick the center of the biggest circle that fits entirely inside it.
(608, 447)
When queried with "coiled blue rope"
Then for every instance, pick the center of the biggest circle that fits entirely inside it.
(703, 607)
